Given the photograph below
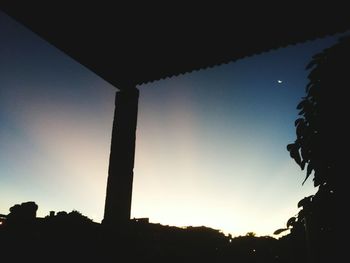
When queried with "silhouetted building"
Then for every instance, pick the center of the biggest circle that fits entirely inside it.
(142, 220)
(121, 159)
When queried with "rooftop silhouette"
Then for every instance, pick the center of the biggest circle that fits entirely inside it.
(128, 45)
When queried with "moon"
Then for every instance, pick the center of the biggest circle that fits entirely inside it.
(279, 81)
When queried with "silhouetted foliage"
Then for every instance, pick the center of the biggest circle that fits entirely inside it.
(73, 216)
(22, 214)
(251, 234)
(317, 148)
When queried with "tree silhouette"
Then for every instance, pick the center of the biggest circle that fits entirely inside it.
(250, 234)
(318, 143)
(22, 214)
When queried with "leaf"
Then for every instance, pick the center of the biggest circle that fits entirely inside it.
(279, 231)
(294, 153)
(304, 152)
(316, 59)
(298, 121)
(313, 63)
(301, 104)
(305, 201)
(319, 177)
(290, 147)
(301, 129)
(291, 221)
(308, 172)
(302, 215)
(302, 164)
(309, 84)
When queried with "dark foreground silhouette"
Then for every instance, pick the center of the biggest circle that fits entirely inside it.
(319, 150)
(72, 237)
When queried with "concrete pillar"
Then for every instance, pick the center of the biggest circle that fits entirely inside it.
(121, 159)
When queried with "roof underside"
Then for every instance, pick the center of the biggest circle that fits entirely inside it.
(129, 46)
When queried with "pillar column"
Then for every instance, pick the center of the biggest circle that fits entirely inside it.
(121, 159)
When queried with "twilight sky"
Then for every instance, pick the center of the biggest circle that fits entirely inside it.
(210, 149)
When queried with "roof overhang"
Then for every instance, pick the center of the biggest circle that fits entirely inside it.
(130, 46)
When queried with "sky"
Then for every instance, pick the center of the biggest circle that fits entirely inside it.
(210, 147)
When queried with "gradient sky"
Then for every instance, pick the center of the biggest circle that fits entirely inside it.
(211, 145)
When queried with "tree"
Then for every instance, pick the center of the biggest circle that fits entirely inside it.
(250, 234)
(318, 143)
(23, 213)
